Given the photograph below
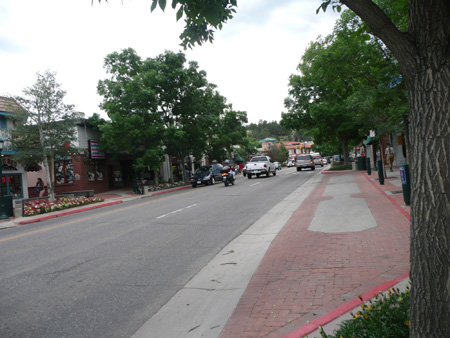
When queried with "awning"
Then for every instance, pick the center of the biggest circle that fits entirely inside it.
(32, 167)
(370, 140)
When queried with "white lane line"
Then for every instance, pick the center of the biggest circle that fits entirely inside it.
(176, 211)
(255, 184)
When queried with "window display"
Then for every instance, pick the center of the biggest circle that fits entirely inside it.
(95, 170)
(64, 171)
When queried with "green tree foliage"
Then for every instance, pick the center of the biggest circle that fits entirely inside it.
(160, 103)
(349, 84)
(274, 129)
(131, 102)
(317, 97)
(230, 132)
(264, 129)
(201, 17)
(46, 127)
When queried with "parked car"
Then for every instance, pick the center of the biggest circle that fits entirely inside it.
(317, 160)
(207, 174)
(305, 161)
(324, 161)
(291, 163)
(277, 165)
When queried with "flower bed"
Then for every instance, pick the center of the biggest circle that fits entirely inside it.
(43, 206)
(168, 186)
(385, 315)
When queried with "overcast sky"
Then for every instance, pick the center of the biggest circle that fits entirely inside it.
(250, 60)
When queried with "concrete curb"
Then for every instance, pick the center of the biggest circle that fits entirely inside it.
(399, 208)
(329, 317)
(170, 190)
(328, 171)
(68, 212)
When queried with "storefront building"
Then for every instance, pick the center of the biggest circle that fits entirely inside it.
(91, 169)
(14, 178)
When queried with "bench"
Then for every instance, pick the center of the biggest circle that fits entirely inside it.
(80, 193)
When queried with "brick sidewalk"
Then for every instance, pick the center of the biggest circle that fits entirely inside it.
(306, 274)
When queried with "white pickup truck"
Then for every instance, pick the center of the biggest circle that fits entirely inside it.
(260, 165)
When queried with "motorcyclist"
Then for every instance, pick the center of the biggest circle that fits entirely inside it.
(231, 172)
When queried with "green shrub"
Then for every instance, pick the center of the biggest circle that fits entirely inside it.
(341, 167)
(384, 316)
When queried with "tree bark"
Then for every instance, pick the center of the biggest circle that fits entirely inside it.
(50, 185)
(424, 57)
(156, 173)
(344, 144)
(171, 170)
(430, 202)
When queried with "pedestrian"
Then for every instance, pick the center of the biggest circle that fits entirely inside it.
(389, 152)
(40, 190)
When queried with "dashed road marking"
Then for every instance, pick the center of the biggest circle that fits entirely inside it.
(176, 211)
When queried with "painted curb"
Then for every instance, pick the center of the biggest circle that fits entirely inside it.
(169, 190)
(70, 212)
(329, 317)
(327, 172)
(399, 208)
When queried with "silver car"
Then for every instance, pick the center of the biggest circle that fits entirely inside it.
(305, 161)
(318, 160)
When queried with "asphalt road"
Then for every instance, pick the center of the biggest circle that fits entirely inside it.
(105, 272)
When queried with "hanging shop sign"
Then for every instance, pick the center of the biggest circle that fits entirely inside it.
(94, 153)
(8, 164)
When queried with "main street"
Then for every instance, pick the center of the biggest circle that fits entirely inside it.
(104, 273)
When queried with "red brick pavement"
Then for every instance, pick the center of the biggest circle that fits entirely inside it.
(306, 274)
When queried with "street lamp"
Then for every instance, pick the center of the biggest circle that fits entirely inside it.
(2, 200)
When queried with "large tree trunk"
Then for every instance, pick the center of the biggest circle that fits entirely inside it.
(424, 57)
(50, 178)
(156, 174)
(171, 170)
(344, 144)
(429, 93)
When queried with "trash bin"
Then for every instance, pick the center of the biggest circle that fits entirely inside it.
(7, 200)
(362, 163)
(406, 183)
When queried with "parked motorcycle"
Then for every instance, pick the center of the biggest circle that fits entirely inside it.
(227, 176)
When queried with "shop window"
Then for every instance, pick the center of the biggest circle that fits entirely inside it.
(64, 171)
(3, 123)
(12, 185)
(95, 170)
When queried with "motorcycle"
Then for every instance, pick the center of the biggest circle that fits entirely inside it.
(227, 177)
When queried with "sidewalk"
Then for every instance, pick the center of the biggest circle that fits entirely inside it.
(110, 198)
(350, 237)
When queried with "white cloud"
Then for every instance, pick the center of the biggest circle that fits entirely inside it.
(250, 60)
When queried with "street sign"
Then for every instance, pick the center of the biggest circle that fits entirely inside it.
(403, 175)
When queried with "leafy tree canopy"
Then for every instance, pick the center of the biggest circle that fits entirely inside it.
(47, 125)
